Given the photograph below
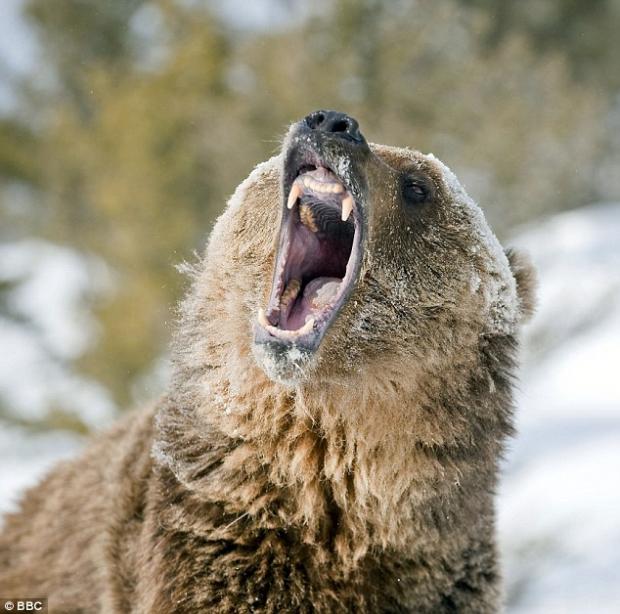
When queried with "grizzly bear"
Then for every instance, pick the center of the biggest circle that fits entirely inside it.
(339, 403)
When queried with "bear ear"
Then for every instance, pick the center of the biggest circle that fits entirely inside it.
(525, 276)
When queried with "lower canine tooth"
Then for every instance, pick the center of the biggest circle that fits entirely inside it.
(347, 207)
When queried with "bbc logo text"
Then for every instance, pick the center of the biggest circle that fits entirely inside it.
(37, 605)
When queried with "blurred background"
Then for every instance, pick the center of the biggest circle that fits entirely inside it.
(125, 124)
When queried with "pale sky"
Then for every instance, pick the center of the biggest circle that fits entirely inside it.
(17, 46)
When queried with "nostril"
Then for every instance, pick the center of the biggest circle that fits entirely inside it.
(340, 126)
(335, 123)
(314, 120)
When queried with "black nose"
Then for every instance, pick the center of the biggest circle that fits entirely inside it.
(338, 124)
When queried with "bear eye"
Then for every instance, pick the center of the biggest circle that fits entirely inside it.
(415, 190)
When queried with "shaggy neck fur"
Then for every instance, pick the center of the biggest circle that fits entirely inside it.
(386, 459)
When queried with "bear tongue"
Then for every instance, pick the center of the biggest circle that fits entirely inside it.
(321, 291)
(317, 295)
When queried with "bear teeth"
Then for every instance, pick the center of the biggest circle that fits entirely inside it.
(307, 218)
(294, 194)
(285, 334)
(331, 187)
(290, 293)
(328, 187)
(347, 207)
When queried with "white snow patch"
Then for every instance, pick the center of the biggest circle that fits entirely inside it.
(52, 284)
(26, 456)
(45, 323)
(559, 501)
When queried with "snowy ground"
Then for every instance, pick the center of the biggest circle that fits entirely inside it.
(44, 322)
(560, 501)
(559, 504)
(25, 457)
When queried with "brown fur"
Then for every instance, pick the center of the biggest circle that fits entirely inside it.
(363, 484)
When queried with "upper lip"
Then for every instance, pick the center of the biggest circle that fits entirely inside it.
(322, 225)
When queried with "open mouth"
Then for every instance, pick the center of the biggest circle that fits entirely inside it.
(318, 258)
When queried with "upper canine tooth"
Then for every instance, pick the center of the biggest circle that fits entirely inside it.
(337, 188)
(293, 195)
(347, 207)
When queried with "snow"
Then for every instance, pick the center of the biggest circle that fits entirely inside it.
(44, 323)
(18, 51)
(26, 456)
(559, 500)
(559, 503)
(52, 284)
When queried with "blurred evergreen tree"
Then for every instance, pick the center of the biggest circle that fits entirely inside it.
(127, 171)
(79, 34)
(586, 33)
